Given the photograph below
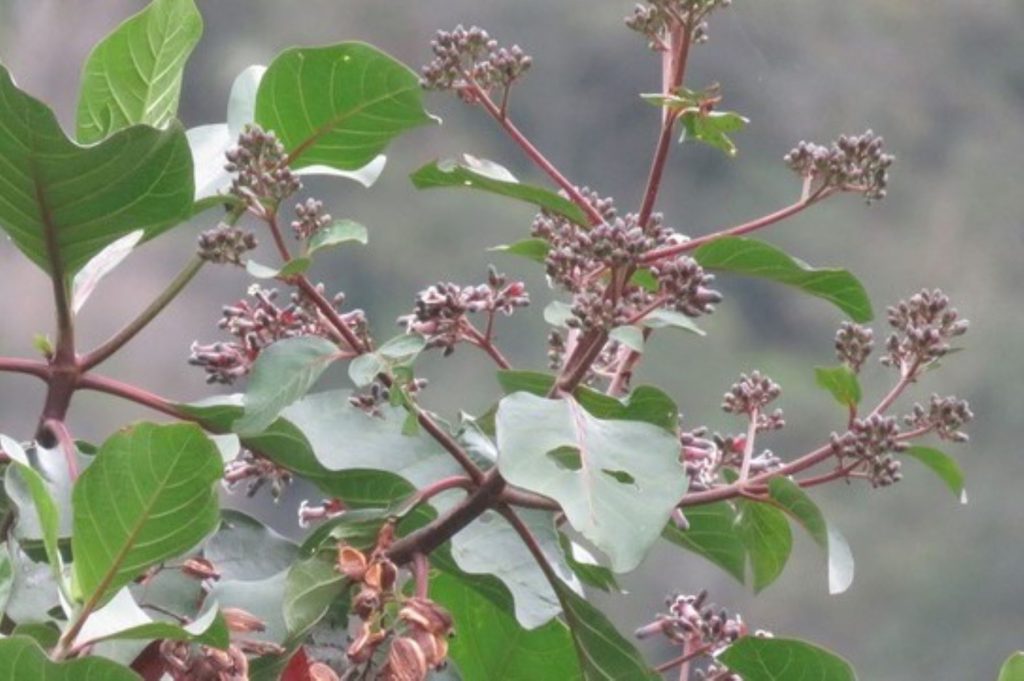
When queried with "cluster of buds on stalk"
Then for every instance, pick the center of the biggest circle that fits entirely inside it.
(944, 415)
(441, 313)
(658, 19)
(852, 163)
(261, 171)
(750, 395)
(700, 628)
(311, 218)
(868, 449)
(854, 344)
(705, 456)
(465, 58)
(256, 472)
(413, 629)
(925, 326)
(225, 245)
(256, 324)
(187, 662)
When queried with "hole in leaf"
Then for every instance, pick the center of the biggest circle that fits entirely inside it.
(567, 458)
(620, 476)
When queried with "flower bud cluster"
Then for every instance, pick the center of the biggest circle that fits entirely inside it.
(947, 415)
(854, 344)
(925, 324)
(225, 244)
(377, 395)
(693, 622)
(186, 662)
(259, 164)
(256, 471)
(440, 313)
(256, 324)
(750, 393)
(325, 510)
(470, 54)
(853, 163)
(570, 257)
(871, 442)
(687, 286)
(416, 635)
(656, 19)
(311, 219)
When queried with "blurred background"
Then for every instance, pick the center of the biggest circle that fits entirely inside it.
(939, 592)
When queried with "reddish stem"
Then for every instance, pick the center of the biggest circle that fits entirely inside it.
(421, 574)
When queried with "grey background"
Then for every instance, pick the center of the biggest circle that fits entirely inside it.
(939, 592)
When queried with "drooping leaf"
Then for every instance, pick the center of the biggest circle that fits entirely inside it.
(629, 478)
(283, 373)
(586, 567)
(488, 176)
(663, 318)
(102, 264)
(645, 403)
(943, 466)
(245, 548)
(1013, 668)
(778, 659)
(531, 249)
(630, 336)
(148, 496)
(34, 592)
(338, 106)
(62, 203)
(558, 314)
(603, 653)
(310, 588)
(841, 382)
(134, 74)
(335, 234)
(753, 258)
(121, 619)
(21, 658)
(44, 509)
(713, 534)
(491, 645)
(291, 268)
(766, 533)
(792, 499)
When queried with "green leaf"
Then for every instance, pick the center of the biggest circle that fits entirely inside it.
(645, 403)
(662, 318)
(1013, 668)
(586, 567)
(622, 495)
(263, 598)
(245, 548)
(794, 501)
(44, 506)
(311, 587)
(402, 348)
(338, 106)
(765, 532)
(62, 204)
(283, 373)
(134, 74)
(841, 382)
(488, 176)
(712, 534)
(149, 496)
(209, 628)
(364, 369)
(102, 264)
(944, 466)
(558, 314)
(337, 233)
(291, 268)
(6, 577)
(630, 336)
(777, 659)
(21, 659)
(754, 258)
(531, 249)
(603, 653)
(491, 645)
(710, 128)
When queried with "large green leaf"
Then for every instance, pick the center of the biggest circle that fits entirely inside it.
(617, 481)
(122, 619)
(841, 382)
(753, 258)
(45, 509)
(62, 203)
(712, 534)
(473, 173)
(777, 659)
(943, 466)
(1013, 668)
(766, 533)
(310, 588)
(491, 646)
(148, 497)
(338, 106)
(134, 74)
(282, 374)
(245, 548)
(262, 598)
(22, 659)
(603, 653)
(792, 499)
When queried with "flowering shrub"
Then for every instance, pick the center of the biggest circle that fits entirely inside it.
(120, 562)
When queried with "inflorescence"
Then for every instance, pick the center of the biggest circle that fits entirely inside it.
(925, 326)
(854, 163)
(465, 58)
(657, 19)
